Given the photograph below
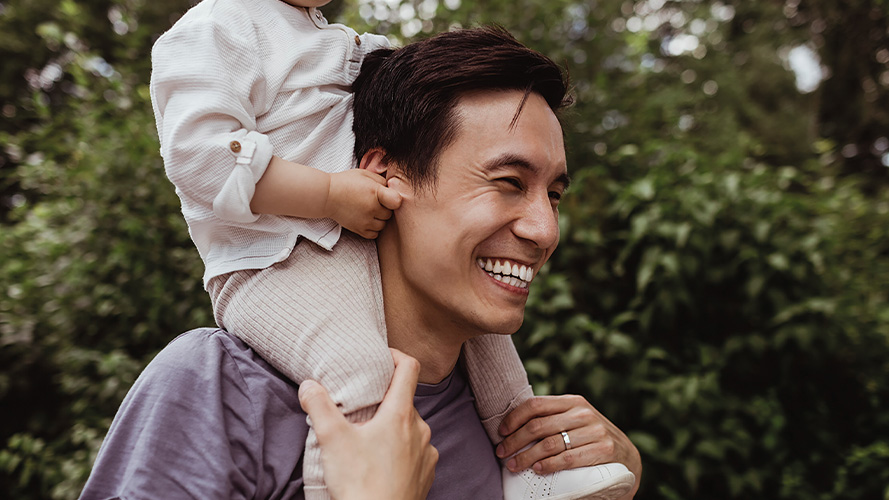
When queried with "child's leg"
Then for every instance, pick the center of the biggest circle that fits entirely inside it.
(499, 382)
(317, 315)
(497, 378)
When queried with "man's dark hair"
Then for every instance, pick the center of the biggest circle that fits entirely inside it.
(405, 98)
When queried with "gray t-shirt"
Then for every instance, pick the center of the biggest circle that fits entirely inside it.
(210, 419)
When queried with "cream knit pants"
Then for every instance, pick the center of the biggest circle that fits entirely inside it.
(319, 315)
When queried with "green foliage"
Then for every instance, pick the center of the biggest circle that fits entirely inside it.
(719, 291)
(713, 316)
(88, 295)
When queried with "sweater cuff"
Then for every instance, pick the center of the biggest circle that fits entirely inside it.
(252, 154)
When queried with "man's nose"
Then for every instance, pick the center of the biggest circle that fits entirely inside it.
(538, 221)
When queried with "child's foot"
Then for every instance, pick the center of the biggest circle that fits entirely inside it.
(598, 482)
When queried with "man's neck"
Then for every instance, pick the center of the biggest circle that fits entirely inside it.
(434, 342)
(433, 345)
(437, 359)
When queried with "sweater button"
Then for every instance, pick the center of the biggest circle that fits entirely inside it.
(357, 40)
(235, 146)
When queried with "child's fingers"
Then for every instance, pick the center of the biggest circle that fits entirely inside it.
(377, 178)
(376, 225)
(370, 229)
(326, 418)
(388, 198)
(380, 216)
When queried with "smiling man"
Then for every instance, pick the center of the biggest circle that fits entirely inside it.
(464, 126)
(475, 148)
(459, 256)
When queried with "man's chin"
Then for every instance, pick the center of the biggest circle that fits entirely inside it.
(506, 327)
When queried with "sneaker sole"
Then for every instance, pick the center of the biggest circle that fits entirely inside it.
(610, 489)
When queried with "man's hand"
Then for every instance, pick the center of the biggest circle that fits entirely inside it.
(542, 419)
(360, 201)
(388, 457)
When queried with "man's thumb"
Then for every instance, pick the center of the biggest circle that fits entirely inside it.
(326, 417)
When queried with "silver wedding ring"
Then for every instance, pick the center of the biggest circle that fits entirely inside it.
(567, 440)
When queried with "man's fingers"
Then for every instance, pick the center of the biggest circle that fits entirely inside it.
(431, 458)
(404, 382)
(546, 429)
(326, 417)
(550, 446)
(538, 406)
(567, 460)
(388, 197)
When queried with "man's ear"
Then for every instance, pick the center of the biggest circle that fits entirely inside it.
(375, 161)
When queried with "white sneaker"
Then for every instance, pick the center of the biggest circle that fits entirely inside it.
(598, 482)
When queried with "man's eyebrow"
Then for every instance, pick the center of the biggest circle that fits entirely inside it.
(564, 180)
(514, 160)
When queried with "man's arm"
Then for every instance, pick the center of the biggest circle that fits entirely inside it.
(595, 440)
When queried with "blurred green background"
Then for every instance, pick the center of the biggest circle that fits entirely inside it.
(721, 286)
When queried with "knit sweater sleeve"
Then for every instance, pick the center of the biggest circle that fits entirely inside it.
(206, 87)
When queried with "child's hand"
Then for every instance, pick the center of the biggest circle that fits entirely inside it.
(360, 201)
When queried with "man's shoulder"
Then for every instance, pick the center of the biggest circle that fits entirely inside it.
(213, 358)
(207, 345)
(199, 422)
(205, 375)
(206, 353)
(200, 342)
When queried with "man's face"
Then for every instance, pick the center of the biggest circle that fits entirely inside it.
(495, 204)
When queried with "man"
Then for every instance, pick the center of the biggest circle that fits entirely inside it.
(463, 125)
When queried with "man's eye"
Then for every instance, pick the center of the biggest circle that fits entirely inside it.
(512, 181)
(555, 195)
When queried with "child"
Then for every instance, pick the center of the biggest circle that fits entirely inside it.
(243, 90)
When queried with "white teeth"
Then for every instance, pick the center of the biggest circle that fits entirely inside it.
(512, 274)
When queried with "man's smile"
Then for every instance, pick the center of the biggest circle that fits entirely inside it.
(508, 272)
